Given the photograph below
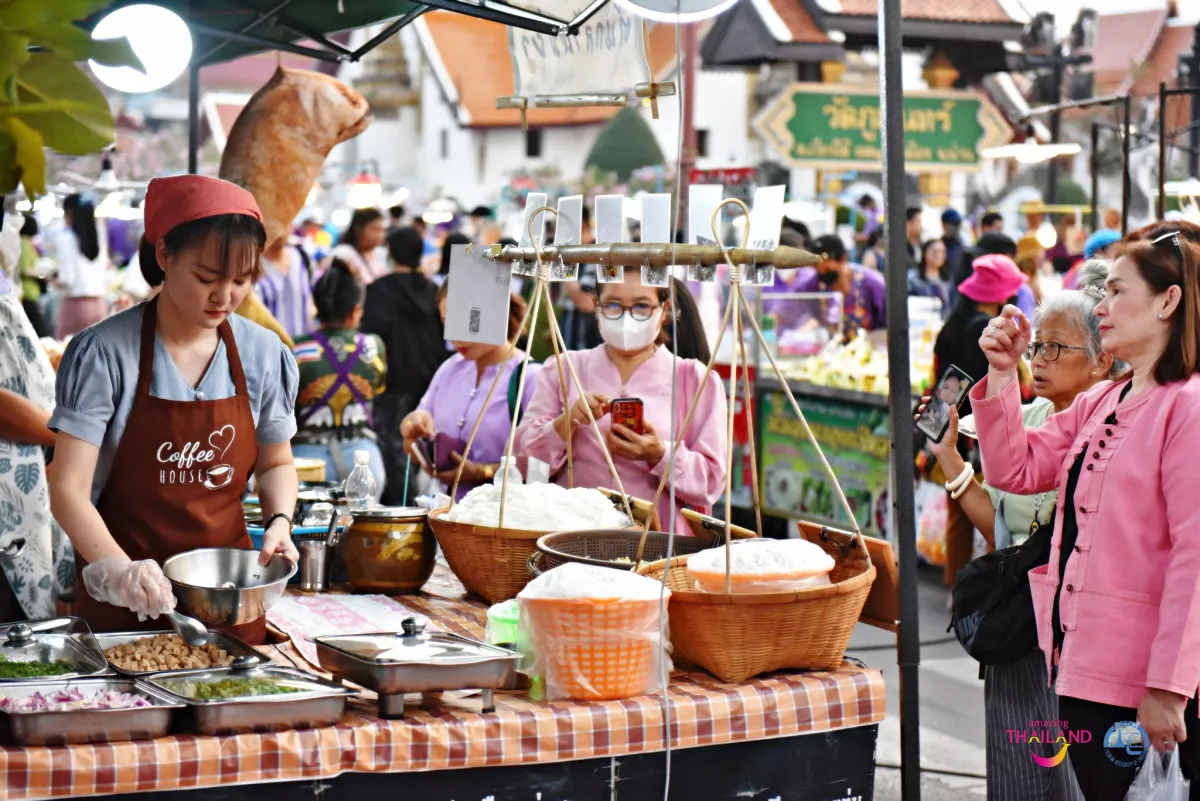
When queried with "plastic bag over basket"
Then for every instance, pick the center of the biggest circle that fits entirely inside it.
(593, 633)
(762, 566)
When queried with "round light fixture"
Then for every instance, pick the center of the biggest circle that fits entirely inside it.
(340, 218)
(364, 191)
(1047, 237)
(161, 40)
(676, 10)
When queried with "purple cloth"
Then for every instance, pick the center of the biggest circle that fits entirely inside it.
(1026, 302)
(455, 409)
(288, 297)
(864, 307)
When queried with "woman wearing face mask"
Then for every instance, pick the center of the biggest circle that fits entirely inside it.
(632, 363)
(1115, 606)
(164, 411)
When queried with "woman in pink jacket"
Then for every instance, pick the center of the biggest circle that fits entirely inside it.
(632, 363)
(1118, 606)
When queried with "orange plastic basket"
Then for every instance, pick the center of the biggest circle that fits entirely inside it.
(593, 650)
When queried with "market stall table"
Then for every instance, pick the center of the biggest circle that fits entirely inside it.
(794, 735)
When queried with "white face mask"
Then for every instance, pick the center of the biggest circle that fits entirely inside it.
(628, 334)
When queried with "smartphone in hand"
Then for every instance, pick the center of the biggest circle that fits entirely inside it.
(629, 412)
(949, 393)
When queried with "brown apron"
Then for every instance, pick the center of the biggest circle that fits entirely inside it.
(177, 480)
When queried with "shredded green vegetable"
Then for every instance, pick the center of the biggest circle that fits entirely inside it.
(229, 688)
(26, 670)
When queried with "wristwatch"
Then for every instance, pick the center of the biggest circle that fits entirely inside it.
(488, 472)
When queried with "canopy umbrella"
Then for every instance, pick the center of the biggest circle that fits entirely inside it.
(228, 29)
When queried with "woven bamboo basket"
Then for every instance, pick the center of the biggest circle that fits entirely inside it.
(735, 637)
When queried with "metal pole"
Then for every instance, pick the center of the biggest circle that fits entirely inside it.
(1161, 206)
(1194, 81)
(900, 401)
(1126, 183)
(1055, 126)
(687, 158)
(1095, 171)
(194, 116)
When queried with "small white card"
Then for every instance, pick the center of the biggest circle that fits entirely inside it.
(610, 230)
(703, 200)
(656, 228)
(766, 218)
(568, 230)
(478, 299)
(533, 202)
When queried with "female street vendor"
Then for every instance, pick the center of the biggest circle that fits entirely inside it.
(632, 363)
(164, 411)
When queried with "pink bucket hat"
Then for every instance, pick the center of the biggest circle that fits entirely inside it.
(995, 279)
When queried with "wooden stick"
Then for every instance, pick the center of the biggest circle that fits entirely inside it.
(762, 341)
(512, 431)
(636, 254)
(512, 347)
(559, 355)
(747, 398)
(592, 419)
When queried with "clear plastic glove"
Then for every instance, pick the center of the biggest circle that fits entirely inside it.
(138, 586)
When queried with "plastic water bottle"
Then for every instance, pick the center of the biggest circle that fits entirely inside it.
(361, 489)
(514, 472)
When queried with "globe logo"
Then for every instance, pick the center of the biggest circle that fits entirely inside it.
(1125, 744)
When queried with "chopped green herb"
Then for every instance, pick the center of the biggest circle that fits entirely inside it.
(29, 670)
(228, 688)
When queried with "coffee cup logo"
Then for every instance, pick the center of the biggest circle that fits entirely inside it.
(199, 462)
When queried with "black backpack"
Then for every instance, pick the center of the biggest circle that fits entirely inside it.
(992, 609)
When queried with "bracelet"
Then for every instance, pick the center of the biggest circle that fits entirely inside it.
(958, 491)
(961, 480)
(278, 516)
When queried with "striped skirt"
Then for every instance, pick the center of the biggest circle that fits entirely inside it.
(1015, 695)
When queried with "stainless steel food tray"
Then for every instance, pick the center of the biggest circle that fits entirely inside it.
(415, 662)
(232, 645)
(86, 725)
(69, 639)
(320, 705)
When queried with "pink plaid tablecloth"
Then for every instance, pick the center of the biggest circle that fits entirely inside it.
(453, 733)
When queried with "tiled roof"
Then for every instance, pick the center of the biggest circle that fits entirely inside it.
(476, 59)
(249, 72)
(988, 11)
(1124, 43)
(800, 24)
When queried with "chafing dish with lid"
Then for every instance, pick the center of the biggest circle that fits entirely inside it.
(49, 650)
(416, 662)
(224, 700)
(76, 726)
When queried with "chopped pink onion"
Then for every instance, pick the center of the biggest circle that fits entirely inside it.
(68, 699)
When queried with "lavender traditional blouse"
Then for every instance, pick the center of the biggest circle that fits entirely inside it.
(455, 399)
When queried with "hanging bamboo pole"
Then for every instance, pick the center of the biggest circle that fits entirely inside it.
(641, 254)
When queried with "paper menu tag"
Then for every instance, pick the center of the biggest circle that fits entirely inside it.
(656, 228)
(478, 298)
(703, 200)
(610, 230)
(533, 202)
(568, 230)
(766, 218)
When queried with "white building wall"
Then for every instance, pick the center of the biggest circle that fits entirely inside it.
(722, 107)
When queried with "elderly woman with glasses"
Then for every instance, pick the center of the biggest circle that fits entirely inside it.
(633, 363)
(1066, 360)
(1116, 605)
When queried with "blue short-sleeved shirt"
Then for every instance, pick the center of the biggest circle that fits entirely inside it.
(97, 383)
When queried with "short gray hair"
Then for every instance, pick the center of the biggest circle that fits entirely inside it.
(1079, 307)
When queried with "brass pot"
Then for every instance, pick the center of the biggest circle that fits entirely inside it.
(389, 550)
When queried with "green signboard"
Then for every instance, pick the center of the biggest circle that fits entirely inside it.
(854, 438)
(835, 126)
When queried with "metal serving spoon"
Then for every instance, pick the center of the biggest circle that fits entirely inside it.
(191, 630)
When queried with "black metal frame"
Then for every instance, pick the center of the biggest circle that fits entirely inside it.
(1163, 94)
(1126, 101)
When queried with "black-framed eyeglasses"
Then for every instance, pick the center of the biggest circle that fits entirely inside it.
(638, 311)
(1174, 238)
(1050, 350)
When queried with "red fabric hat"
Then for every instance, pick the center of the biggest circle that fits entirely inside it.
(995, 279)
(180, 199)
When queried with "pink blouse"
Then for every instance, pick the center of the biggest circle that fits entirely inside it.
(700, 464)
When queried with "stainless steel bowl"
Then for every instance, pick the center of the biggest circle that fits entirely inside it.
(226, 586)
